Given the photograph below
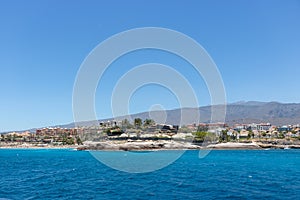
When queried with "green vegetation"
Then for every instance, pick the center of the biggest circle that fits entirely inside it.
(138, 122)
(201, 136)
(114, 131)
(78, 141)
(281, 135)
(148, 122)
(250, 134)
(184, 129)
(202, 128)
(224, 137)
(68, 141)
(126, 124)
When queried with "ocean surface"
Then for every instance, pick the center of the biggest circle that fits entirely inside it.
(222, 174)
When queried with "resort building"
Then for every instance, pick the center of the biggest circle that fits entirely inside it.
(263, 127)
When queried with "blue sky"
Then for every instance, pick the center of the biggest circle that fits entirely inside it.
(255, 44)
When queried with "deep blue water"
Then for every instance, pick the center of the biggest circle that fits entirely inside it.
(67, 174)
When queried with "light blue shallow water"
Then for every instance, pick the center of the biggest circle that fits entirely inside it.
(67, 174)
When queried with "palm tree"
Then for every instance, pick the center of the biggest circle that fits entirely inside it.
(148, 122)
(138, 122)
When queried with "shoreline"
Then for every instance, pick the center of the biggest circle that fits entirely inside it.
(39, 147)
(154, 146)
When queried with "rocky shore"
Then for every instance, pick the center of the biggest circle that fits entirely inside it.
(157, 145)
(175, 145)
(18, 145)
(138, 145)
(235, 145)
(253, 145)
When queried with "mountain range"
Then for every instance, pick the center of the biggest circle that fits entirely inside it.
(240, 112)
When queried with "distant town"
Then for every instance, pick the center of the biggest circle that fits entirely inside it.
(148, 129)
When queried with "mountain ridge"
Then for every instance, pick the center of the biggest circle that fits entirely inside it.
(275, 113)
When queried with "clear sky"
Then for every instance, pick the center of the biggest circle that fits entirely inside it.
(255, 44)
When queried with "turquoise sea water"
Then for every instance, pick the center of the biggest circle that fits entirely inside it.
(67, 174)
